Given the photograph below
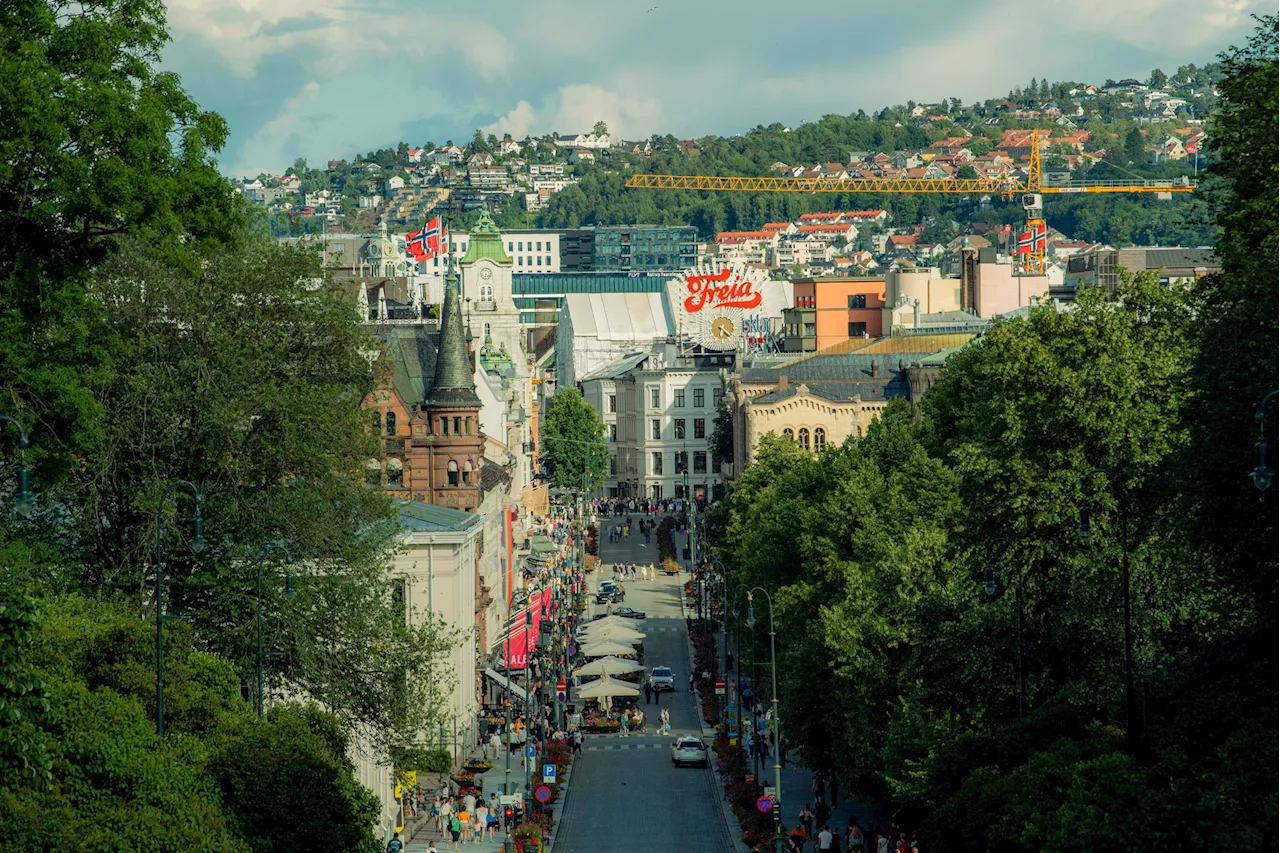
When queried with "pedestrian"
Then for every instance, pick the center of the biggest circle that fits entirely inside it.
(495, 744)
(648, 693)
(806, 820)
(825, 838)
(821, 812)
(855, 839)
(455, 831)
(817, 787)
(640, 720)
(395, 845)
(464, 825)
(623, 723)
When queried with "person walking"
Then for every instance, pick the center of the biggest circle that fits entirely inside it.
(395, 845)
(623, 722)
(806, 820)
(855, 838)
(648, 693)
(639, 721)
(825, 837)
(817, 787)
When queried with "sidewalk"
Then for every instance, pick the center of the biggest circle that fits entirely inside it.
(425, 830)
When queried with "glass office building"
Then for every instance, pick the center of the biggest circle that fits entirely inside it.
(635, 248)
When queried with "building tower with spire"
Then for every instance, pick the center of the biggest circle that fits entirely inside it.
(447, 446)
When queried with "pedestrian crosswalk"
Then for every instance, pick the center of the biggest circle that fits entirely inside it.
(605, 747)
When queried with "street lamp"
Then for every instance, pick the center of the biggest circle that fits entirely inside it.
(777, 716)
(197, 545)
(989, 587)
(1085, 531)
(24, 502)
(1261, 474)
(281, 545)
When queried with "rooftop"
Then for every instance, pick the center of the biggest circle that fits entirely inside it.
(418, 517)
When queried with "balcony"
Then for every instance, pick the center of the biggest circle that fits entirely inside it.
(488, 305)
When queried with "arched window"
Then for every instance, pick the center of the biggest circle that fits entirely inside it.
(453, 473)
(395, 473)
(373, 472)
(819, 439)
(391, 423)
(804, 438)
(787, 433)
(486, 293)
(466, 472)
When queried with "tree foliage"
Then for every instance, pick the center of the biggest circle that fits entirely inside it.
(571, 436)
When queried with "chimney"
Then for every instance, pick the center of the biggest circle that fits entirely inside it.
(782, 382)
(875, 368)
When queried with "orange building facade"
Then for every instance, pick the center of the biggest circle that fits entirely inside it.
(830, 310)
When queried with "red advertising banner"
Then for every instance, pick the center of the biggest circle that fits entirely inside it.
(515, 649)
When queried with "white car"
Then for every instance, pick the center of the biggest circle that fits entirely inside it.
(689, 751)
(662, 678)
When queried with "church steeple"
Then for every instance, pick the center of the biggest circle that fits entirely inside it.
(454, 385)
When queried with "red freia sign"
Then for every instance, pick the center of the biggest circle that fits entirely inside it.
(724, 289)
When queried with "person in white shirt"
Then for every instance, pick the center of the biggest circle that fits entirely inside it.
(824, 838)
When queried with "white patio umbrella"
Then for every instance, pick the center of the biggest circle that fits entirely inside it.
(619, 633)
(606, 689)
(608, 666)
(606, 648)
(607, 622)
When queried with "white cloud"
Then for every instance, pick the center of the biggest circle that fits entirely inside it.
(577, 107)
(519, 122)
(270, 143)
(1169, 27)
(331, 37)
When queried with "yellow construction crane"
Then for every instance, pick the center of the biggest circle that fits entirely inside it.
(1031, 191)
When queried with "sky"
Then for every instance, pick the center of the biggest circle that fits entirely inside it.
(326, 79)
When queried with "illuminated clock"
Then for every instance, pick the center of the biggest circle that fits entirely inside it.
(722, 328)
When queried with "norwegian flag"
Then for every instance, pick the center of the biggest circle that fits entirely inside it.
(1032, 240)
(427, 242)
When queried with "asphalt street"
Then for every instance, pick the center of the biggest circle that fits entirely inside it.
(626, 797)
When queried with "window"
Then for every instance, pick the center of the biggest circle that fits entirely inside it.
(810, 330)
(657, 463)
(717, 395)
(655, 428)
(613, 432)
(486, 325)
(682, 461)
(699, 398)
(466, 425)
(804, 438)
(787, 433)
(486, 295)
(699, 428)
(457, 425)
(520, 246)
(453, 473)
(858, 301)
(509, 246)
(857, 330)
(539, 245)
(819, 439)
(654, 400)
(520, 260)
(613, 402)
(539, 257)
(679, 403)
(444, 426)
(395, 473)
(391, 423)
(613, 466)
(699, 463)
(466, 472)
(548, 260)
(679, 422)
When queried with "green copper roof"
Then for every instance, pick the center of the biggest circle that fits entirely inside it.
(486, 242)
(453, 385)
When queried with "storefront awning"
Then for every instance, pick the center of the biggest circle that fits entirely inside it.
(507, 684)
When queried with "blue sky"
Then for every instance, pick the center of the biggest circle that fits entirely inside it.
(329, 78)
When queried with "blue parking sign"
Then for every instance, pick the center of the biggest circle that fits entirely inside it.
(530, 751)
(548, 773)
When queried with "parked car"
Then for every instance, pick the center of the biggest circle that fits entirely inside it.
(628, 613)
(662, 678)
(606, 591)
(689, 751)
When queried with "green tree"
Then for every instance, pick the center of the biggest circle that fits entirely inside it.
(600, 129)
(244, 374)
(1158, 79)
(95, 144)
(1135, 146)
(575, 453)
(721, 443)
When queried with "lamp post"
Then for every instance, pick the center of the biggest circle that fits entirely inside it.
(197, 545)
(24, 502)
(777, 716)
(1262, 475)
(990, 587)
(288, 591)
(1085, 531)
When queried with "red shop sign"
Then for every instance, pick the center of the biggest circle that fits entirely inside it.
(724, 289)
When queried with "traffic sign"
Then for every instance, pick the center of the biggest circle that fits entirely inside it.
(764, 805)
(548, 773)
(561, 691)
(573, 650)
(530, 751)
(542, 794)
(719, 686)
